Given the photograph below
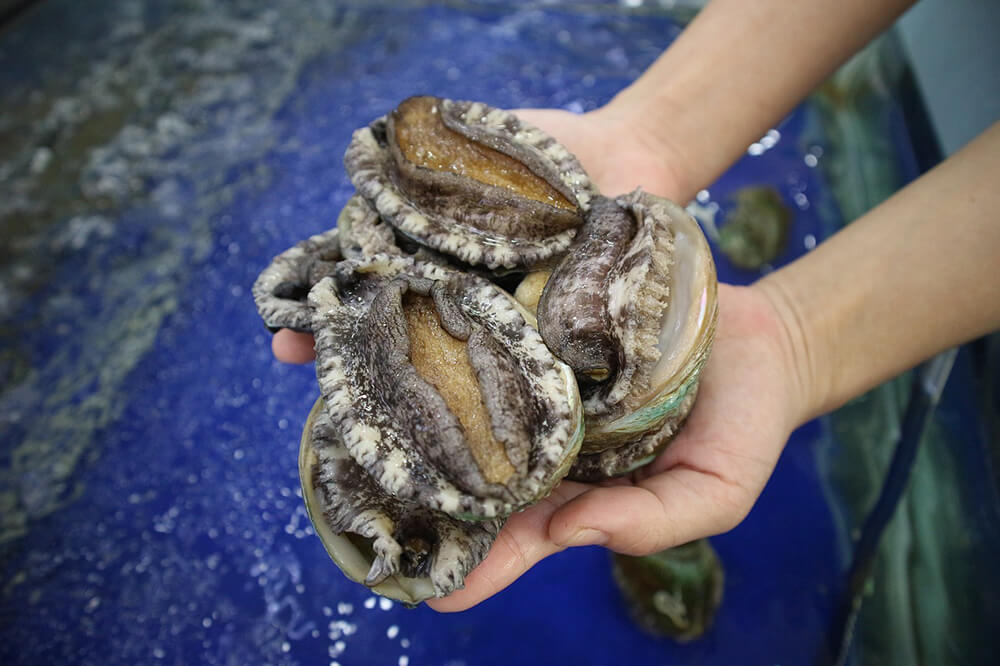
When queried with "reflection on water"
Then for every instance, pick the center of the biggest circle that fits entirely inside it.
(127, 151)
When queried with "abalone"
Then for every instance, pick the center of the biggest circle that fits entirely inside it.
(632, 308)
(281, 289)
(756, 228)
(674, 592)
(470, 181)
(363, 233)
(441, 387)
(442, 412)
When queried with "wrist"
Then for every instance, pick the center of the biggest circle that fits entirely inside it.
(797, 349)
(633, 129)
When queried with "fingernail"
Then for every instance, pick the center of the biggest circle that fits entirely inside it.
(587, 537)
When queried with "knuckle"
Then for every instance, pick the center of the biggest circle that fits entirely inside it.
(514, 549)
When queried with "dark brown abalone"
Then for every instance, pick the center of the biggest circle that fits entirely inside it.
(632, 309)
(470, 181)
(441, 388)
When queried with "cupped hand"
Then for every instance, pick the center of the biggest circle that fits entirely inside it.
(704, 482)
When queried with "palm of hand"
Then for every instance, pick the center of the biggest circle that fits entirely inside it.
(710, 475)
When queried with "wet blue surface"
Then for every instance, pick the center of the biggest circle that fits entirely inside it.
(151, 501)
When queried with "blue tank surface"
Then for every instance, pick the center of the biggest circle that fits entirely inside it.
(154, 157)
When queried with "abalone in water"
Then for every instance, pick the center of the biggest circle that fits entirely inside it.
(445, 404)
(756, 228)
(674, 592)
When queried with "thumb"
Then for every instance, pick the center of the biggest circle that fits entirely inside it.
(660, 512)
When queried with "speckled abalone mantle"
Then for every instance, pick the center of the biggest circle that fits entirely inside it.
(399, 428)
(445, 404)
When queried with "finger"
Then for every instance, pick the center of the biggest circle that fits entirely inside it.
(293, 347)
(674, 507)
(522, 542)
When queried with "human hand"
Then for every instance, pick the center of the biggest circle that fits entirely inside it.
(290, 346)
(704, 482)
(616, 156)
